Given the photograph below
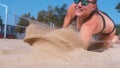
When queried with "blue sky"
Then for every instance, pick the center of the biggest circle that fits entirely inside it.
(21, 7)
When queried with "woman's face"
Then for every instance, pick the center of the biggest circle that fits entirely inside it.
(84, 10)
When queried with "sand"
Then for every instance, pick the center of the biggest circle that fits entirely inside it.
(53, 48)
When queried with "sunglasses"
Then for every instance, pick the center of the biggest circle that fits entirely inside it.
(83, 2)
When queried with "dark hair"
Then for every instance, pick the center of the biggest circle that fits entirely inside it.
(95, 1)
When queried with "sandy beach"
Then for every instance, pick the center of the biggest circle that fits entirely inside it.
(18, 54)
(54, 49)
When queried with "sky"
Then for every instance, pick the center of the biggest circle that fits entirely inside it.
(20, 7)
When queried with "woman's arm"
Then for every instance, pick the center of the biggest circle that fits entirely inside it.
(69, 16)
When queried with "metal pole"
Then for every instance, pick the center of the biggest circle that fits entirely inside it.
(5, 25)
(5, 28)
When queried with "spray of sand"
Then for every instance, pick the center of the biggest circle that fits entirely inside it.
(53, 48)
(59, 42)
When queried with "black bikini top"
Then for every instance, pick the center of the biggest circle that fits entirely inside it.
(104, 23)
(103, 19)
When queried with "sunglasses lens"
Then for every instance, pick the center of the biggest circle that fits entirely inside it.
(76, 1)
(84, 2)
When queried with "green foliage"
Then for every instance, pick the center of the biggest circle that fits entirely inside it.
(41, 16)
(118, 26)
(32, 18)
(1, 23)
(50, 17)
(118, 29)
(118, 7)
(23, 22)
(61, 12)
(55, 15)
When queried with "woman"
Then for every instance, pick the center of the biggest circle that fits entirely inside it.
(90, 21)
